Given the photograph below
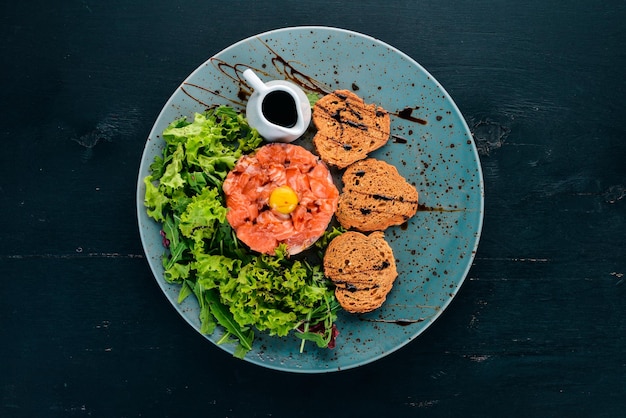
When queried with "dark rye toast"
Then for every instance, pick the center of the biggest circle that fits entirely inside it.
(348, 128)
(375, 196)
(363, 269)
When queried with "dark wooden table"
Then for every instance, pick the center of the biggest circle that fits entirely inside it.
(539, 326)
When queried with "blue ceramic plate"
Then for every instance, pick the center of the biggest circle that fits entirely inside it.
(431, 146)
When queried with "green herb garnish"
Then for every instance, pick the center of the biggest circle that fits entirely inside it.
(236, 289)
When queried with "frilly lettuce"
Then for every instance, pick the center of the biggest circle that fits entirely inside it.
(236, 289)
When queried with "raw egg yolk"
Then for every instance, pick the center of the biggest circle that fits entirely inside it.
(283, 199)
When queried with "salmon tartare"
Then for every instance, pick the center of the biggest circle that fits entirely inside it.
(281, 194)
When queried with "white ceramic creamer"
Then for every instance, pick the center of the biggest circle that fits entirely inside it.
(278, 109)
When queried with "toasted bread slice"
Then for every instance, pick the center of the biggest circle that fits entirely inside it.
(363, 269)
(347, 128)
(375, 196)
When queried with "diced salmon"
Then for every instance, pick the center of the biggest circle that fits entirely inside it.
(248, 188)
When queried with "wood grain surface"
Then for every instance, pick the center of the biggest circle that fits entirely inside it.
(539, 327)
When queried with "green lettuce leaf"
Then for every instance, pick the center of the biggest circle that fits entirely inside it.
(172, 177)
(155, 200)
(202, 214)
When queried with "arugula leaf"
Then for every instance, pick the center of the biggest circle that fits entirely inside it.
(185, 290)
(320, 339)
(244, 335)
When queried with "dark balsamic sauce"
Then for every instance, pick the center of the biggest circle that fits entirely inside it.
(401, 322)
(279, 108)
(423, 208)
(407, 114)
(399, 139)
(385, 264)
(383, 197)
(351, 288)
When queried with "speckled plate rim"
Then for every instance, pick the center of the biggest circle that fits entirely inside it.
(144, 165)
